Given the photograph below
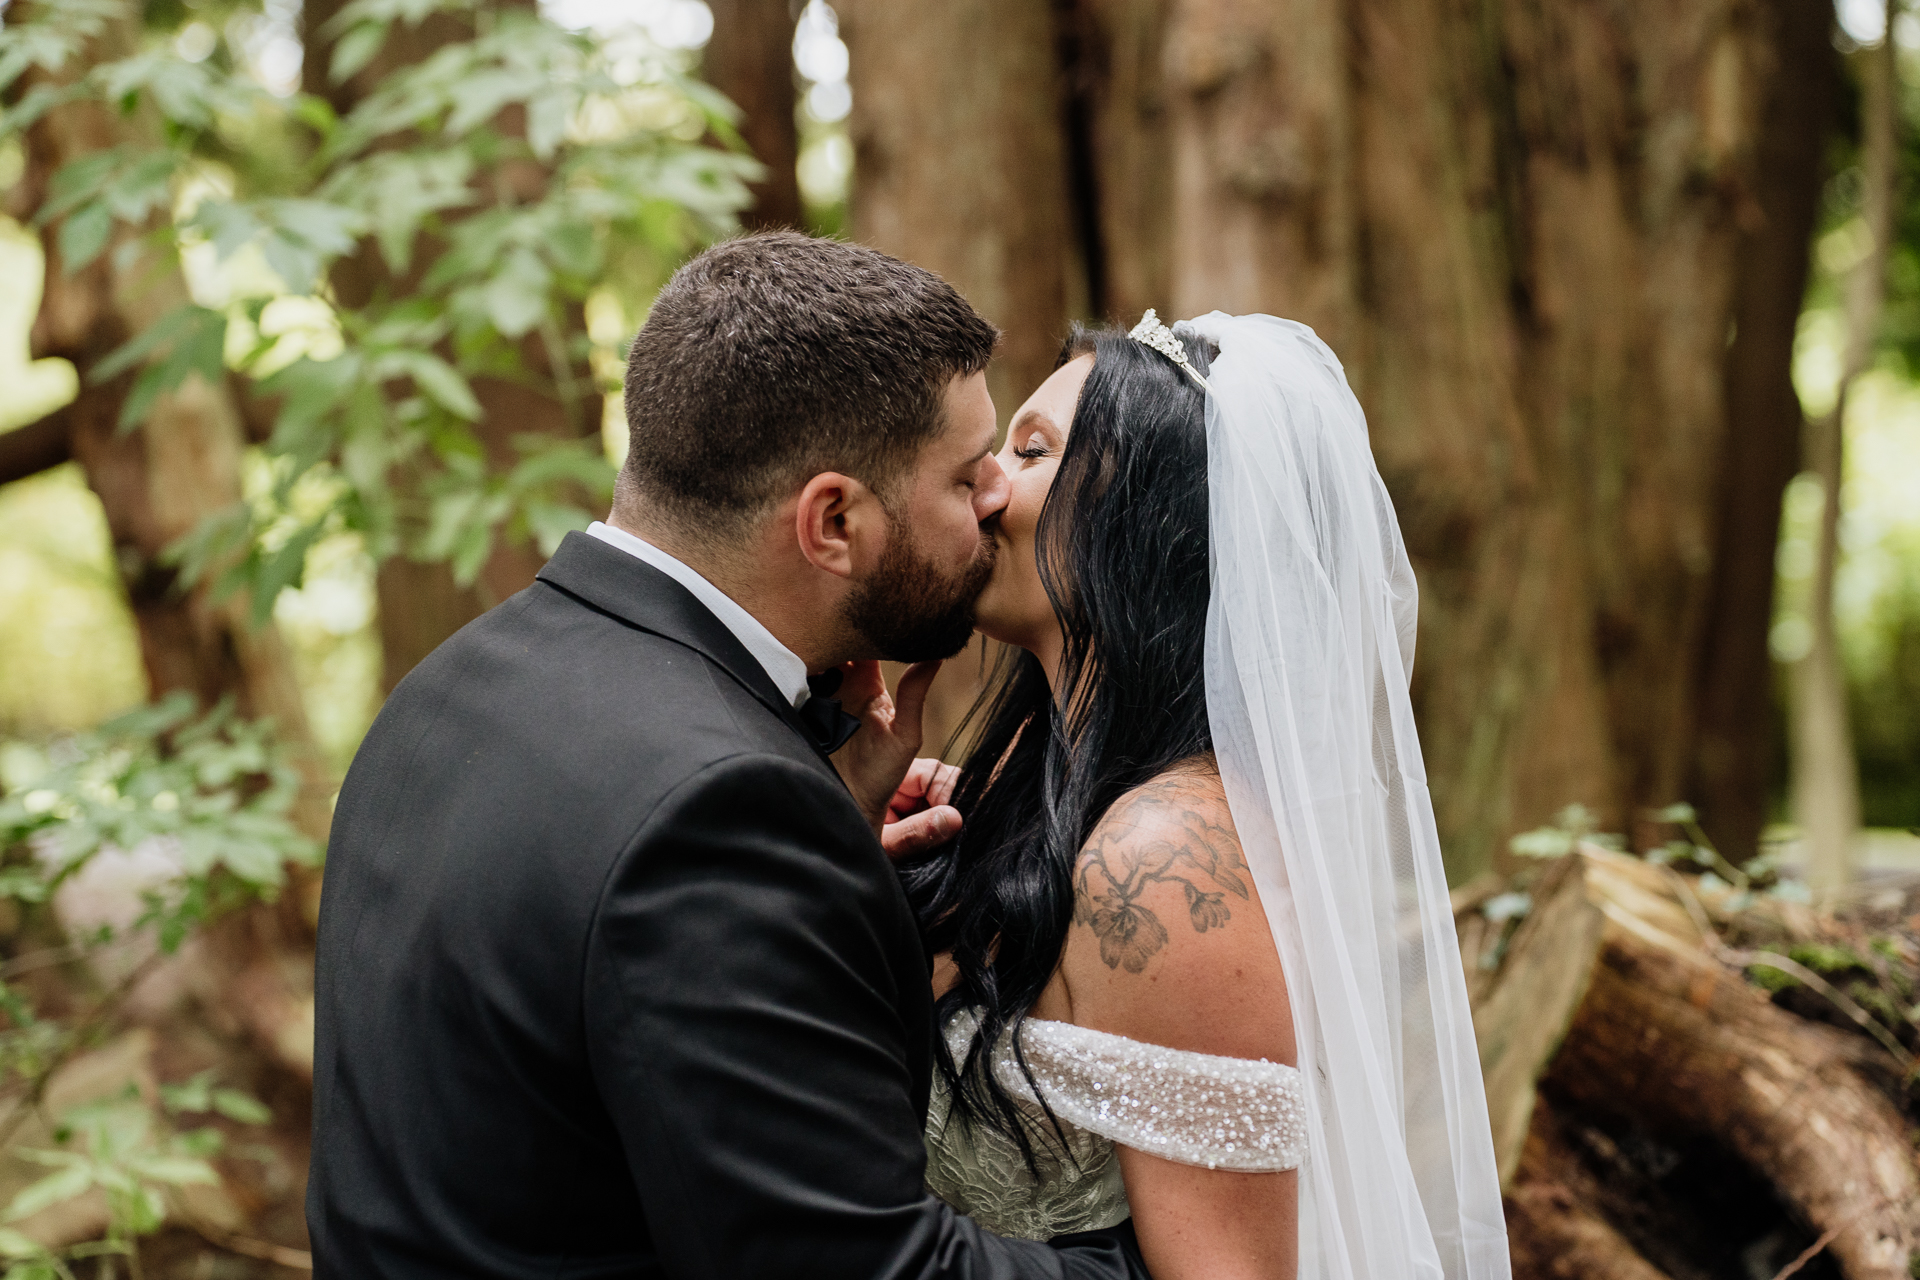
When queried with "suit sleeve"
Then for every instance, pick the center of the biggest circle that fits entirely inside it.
(746, 1036)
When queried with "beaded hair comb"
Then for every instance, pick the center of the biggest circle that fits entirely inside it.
(1151, 333)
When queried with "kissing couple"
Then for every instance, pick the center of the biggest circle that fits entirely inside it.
(649, 949)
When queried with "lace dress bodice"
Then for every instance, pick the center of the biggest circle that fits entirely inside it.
(1220, 1113)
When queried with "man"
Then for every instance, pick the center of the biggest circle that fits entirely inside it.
(614, 978)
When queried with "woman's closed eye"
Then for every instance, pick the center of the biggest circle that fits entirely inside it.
(1034, 448)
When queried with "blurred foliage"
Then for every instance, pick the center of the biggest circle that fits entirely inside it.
(1877, 590)
(34, 387)
(1689, 851)
(825, 164)
(522, 191)
(200, 804)
(493, 238)
(67, 642)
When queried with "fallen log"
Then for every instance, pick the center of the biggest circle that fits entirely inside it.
(1552, 1224)
(1662, 1034)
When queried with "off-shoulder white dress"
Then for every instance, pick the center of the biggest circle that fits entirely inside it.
(1220, 1113)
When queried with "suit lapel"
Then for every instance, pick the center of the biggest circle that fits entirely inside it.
(608, 579)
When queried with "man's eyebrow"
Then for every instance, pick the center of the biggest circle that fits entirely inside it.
(986, 448)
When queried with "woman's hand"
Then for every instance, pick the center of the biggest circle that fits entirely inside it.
(903, 798)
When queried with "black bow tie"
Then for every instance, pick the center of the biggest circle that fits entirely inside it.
(829, 725)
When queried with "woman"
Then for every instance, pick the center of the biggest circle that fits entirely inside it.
(1198, 852)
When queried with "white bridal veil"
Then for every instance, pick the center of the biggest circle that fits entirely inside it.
(1309, 647)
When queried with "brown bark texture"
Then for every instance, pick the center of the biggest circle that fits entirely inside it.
(1527, 229)
(961, 166)
(750, 59)
(1663, 1042)
(1733, 752)
(420, 603)
(960, 163)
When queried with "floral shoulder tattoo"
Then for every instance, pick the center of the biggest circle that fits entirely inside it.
(1201, 856)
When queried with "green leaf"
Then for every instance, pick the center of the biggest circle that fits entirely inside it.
(198, 339)
(552, 521)
(62, 1185)
(356, 49)
(284, 568)
(1507, 906)
(216, 541)
(443, 383)
(83, 235)
(192, 1095)
(1543, 842)
(15, 1245)
(176, 1171)
(516, 297)
(241, 1107)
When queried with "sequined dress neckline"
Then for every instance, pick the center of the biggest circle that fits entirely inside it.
(1194, 1108)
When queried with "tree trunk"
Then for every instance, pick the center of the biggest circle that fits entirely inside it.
(1670, 1039)
(1734, 761)
(961, 166)
(420, 604)
(1664, 1073)
(1553, 1228)
(1520, 225)
(750, 59)
(1826, 780)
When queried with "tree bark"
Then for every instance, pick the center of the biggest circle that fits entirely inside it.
(1734, 764)
(1520, 1020)
(750, 59)
(1648, 1032)
(1668, 1037)
(1522, 227)
(420, 604)
(1553, 1228)
(961, 166)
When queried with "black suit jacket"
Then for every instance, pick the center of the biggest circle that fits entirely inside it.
(614, 979)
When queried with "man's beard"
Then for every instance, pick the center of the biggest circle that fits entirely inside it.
(908, 611)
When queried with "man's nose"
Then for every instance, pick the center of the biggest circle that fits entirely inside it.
(991, 494)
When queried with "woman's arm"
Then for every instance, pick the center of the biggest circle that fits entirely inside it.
(1170, 946)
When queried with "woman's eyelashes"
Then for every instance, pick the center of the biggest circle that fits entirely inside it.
(1035, 447)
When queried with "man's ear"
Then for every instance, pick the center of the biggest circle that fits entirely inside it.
(838, 522)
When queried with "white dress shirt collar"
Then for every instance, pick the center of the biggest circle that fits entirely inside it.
(783, 665)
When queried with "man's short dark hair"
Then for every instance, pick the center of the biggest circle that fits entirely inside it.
(773, 357)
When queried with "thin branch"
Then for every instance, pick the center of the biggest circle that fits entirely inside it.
(1744, 960)
(30, 1104)
(36, 447)
(1808, 1254)
(247, 1247)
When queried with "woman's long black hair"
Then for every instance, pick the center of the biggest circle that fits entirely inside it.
(1122, 549)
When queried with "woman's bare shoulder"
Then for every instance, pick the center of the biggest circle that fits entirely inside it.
(1169, 942)
(1165, 856)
